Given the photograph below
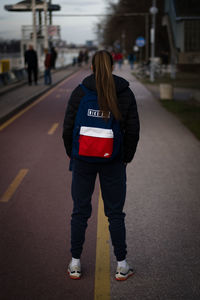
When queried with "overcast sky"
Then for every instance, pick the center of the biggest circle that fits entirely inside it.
(73, 29)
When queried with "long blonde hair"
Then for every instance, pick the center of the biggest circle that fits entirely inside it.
(102, 63)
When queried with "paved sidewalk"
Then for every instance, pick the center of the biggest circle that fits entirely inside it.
(19, 97)
(162, 207)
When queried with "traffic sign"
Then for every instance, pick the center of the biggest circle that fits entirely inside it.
(140, 41)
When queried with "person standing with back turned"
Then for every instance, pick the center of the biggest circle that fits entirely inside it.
(47, 65)
(31, 62)
(115, 100)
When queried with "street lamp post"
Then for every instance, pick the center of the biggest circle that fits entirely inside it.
(34, 25)
(153, 11)
(45, 26)
(123, 42)
(50, 13)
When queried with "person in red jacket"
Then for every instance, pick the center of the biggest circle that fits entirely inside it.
(47, 64)
(119, 59)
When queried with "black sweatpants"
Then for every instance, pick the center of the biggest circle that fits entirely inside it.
(112, 178)
(35, 74)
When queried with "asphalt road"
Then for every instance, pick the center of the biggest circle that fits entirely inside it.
(162, 207)
(35, 221)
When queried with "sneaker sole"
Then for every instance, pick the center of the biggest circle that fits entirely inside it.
(124, 278)
(74, 277)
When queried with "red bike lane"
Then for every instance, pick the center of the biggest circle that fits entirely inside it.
(35, 217)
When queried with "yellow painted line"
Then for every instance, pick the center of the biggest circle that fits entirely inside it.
(102, 271)
(11, 120)
(14, 185)
(53, 128)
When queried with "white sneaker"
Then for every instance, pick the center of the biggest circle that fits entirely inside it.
(123, 273)
(74, 271)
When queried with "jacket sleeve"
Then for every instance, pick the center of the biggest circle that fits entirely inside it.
(69, 119)
(130, 124)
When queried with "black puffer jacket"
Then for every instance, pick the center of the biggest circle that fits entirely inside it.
(128, 109)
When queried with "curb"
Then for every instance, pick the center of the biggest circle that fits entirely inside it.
(32, 99)
(17, 84)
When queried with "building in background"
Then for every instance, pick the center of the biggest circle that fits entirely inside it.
(182, 19)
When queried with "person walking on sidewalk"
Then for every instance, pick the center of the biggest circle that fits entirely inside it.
(117, 101)
(53, 57)
(131, 59)
(47, 64)
(31, 63)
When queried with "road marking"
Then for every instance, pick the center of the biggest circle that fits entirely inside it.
(11, 120)
(102, 271)
(58, 96)
(14, 185)
(53, 128)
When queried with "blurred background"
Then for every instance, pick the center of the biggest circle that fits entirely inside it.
(116, 25)
(159, 39)
(156, 48)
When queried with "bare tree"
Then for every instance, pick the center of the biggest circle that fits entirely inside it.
(121, 30)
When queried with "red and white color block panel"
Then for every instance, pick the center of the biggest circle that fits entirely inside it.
(97, 142)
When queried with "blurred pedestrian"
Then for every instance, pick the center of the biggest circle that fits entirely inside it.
(74, 61)
(31, 64)
(165, 59)
(86, 57)
(47, 65)
(53, 57)
(80, 58)
(119, 59)
(116, 102)
(115, 57)
(131, 59)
